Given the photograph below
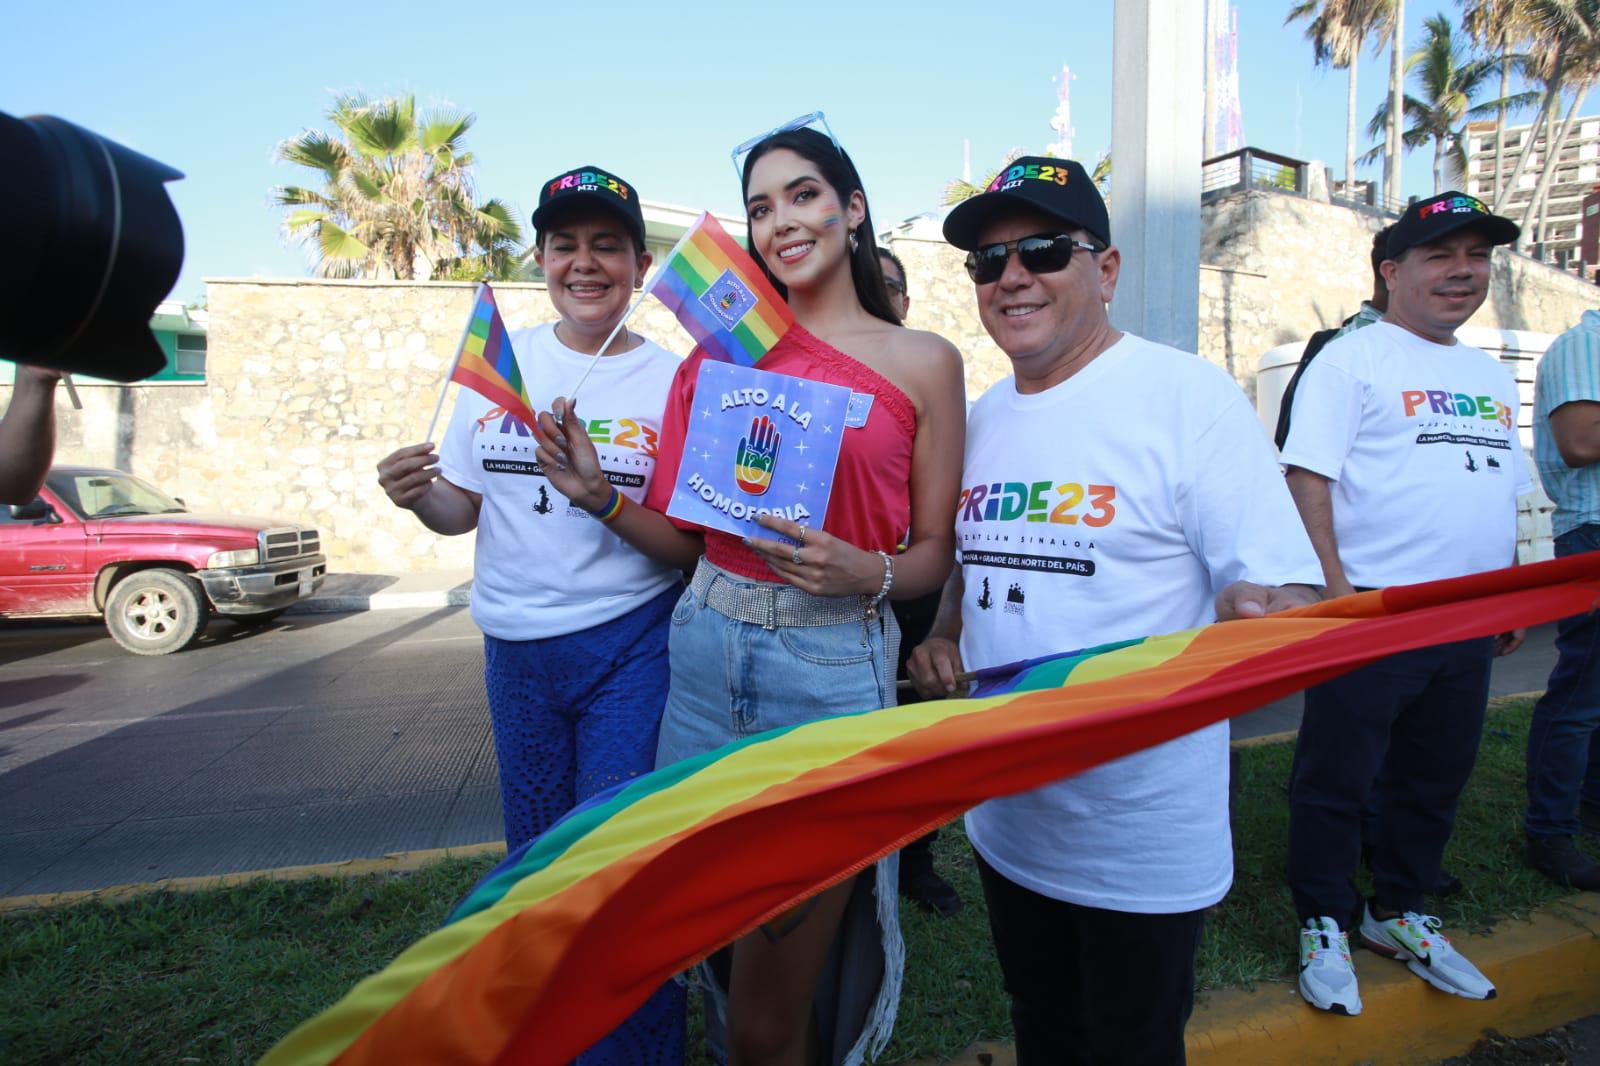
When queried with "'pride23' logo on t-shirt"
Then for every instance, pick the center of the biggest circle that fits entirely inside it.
(1064, 503)
(621, 432)
(1419, 403)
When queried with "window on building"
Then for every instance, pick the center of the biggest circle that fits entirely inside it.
(1587, 171)
(1590, 129)
(190, 358)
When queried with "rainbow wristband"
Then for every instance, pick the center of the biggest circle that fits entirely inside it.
(612, 508)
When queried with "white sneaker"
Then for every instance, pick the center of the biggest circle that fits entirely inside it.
(1327, 980)
(1415, 940)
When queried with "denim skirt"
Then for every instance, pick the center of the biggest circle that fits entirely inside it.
(732, 679)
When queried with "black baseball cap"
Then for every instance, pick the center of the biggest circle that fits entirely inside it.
(1428, 220)
(589, 185)
(1058, 187)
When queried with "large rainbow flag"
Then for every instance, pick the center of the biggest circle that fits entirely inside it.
(485, 362)
(721, 296)
(571, 933)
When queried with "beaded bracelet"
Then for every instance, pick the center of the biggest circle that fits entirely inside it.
(888, 575)
(612, 508)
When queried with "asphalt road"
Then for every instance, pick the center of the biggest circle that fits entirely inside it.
(317, 739)
(320, 738)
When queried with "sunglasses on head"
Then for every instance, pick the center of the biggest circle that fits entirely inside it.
(815, 117)
(1042, 253)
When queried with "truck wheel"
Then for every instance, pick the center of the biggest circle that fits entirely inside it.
(155, 612)
(260, 618)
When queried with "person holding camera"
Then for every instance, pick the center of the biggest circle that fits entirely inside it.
(28, 433)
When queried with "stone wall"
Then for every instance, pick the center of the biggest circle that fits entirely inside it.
(311, 382)
(156, 431)
(942, 302)
(1276, 269)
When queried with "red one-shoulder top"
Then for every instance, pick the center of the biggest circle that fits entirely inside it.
(871, 502)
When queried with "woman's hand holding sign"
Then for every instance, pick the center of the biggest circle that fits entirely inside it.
(567, 457)
(820, 563)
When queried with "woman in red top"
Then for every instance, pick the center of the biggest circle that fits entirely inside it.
(773, 633)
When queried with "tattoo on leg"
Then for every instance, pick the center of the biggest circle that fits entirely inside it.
(780, 928)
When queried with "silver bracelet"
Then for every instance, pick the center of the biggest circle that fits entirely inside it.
(888, 575)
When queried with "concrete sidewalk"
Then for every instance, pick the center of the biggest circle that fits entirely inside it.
(424, 590)
(1524, 672)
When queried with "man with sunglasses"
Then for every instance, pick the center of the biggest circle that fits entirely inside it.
(1113, 488)
(894, 279)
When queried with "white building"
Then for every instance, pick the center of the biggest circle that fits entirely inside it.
(1578, 172)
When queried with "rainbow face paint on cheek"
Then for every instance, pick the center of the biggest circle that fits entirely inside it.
(830, 220)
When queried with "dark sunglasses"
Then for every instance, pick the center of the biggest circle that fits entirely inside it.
(1041, 253)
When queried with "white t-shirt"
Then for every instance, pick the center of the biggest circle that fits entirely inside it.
(1110, 507)
(1421, 443)
(543, 568)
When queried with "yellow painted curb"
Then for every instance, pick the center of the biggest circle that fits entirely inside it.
(396, 862)
(1547, 970)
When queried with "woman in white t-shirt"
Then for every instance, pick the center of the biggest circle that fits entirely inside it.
(575, 621)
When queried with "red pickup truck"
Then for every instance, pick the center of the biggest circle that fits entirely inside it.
(102, 542)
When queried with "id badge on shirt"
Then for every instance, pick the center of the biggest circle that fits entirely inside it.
(855, 415)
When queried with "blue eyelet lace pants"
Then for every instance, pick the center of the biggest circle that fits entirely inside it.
(572, 716)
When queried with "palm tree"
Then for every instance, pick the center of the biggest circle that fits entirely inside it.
(959, 190)
(396, 198)
(1397, 89)
(1500, 26)
(1101, 174)
(1449, 81)
(1575, 26)
(1565, 31)
(1337, 29)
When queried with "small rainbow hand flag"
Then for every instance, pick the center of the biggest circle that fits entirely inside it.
(721, 296)
(485, 362)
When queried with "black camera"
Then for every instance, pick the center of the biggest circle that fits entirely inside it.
(92, 245)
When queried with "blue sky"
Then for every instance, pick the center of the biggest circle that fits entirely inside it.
(657, 93)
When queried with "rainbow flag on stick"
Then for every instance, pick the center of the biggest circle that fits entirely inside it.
(486, 364)
(721, 296)
(573, 931)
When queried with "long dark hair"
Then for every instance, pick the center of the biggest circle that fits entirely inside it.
(838, 171)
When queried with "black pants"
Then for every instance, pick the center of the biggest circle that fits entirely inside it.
(1092, 986)
(916, 619)
(1407, 727)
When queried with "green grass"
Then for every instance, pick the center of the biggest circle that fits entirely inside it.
(218, 976)
(211, 977)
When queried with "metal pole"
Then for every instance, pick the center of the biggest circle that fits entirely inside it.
(1156, 114)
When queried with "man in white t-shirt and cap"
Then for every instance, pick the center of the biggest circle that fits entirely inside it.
(1404, 460)
(1112, 489)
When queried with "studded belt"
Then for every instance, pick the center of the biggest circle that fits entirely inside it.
(770, 604)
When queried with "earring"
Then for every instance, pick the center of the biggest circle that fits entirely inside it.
(854, 244)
